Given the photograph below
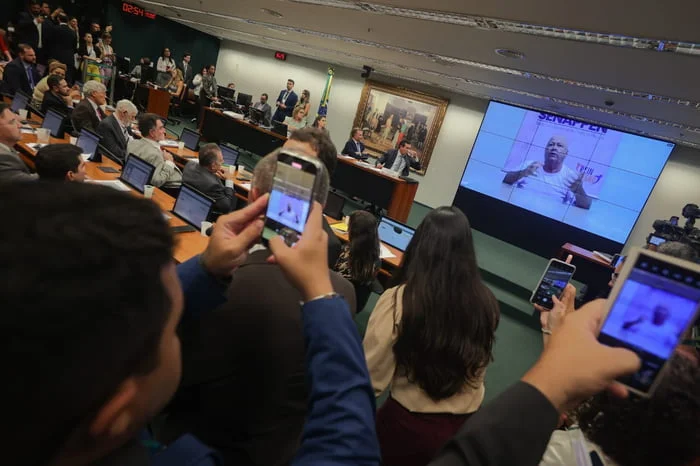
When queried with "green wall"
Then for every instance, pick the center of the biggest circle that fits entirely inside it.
(137, 37)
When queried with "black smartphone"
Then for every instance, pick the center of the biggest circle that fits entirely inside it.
(108, 169)
(183, 229)
(293, 187)
(674, 220)
(554, 279)
(652, 306)
(617, 260)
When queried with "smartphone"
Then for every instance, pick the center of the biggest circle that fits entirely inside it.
(294, 185)
(674, 220)
(654, 302)
(656, 240)
(554, 279)
(617, 260)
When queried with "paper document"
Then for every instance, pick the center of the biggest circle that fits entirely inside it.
(340, 226)
(246, 186)
(168, 143)
(384, 252)
(115, 184)
(85, 157)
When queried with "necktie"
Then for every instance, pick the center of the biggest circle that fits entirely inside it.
(284, 99)
(99, 113)
(30, 77)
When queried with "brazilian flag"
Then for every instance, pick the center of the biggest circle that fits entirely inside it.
(323, 106)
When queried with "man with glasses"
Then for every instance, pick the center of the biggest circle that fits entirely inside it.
(12, 168)
(115, 130)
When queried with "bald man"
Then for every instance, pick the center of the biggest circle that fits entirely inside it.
(556, 178)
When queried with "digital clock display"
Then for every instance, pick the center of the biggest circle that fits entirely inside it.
(137, 11)
(280, 56)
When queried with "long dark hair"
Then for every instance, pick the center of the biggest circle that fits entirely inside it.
(446, 332)
(364, 246)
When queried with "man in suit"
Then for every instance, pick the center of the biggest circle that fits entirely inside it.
(60, 162)
(354, 147)
(21, 73)
(115, 130)
(12, 168)
(399, 160)
(285, 102)
(63, 45)
(208, 177)
(210, 88)
(264, 107)
(186, 68)
(88, 113)
(33, 29)
(148, 148)
(56, 97)
(252, 349)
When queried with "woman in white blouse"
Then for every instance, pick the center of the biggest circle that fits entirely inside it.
(165, 61)
(429, 340)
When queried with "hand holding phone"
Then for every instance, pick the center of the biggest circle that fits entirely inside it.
(554, 279)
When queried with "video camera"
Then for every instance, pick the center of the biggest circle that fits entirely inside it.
(669, 230)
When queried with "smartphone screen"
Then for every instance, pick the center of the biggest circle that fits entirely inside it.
(652, 309)
(290, 198)
(674, 220)
(553, 282)
(656, 240)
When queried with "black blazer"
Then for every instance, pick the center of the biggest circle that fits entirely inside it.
(112, 137)
(27, 32)
(16, 77)
(281, 113)
(208, 183)
(243, 389)
(62, 47)
(56, 102)
(82, 50)
(84, 116)
(388, 160)
(351, 148)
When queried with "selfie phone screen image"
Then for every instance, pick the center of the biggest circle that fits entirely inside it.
(552, 283)
(657, 301)
(290, 198)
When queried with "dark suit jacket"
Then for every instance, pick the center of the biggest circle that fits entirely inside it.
(206, 182)
(84, 116)
(27, 32)
(112, 137)
(267, 111)
(186, 74)
(351, 148)
(56, 102)
(243, 390)
(388, 160)
(16, 77)
(62, 47)
(282, 113)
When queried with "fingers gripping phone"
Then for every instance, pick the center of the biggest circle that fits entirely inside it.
(654, 302)
(554, 279)
(294, 186)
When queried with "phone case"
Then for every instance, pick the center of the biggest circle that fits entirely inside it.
(539, 282)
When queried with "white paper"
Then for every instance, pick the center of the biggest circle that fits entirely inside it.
(115, 184)
(85, 157)
(384, 252)
(168, 143)
(27, 130)
(246, 186)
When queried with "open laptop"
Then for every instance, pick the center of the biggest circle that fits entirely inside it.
(55, 122)
(190, 138)
(88, 142)
(395, 234)
(257, 116)
(334, 205)
(230, 155)
(19, 101)
(193, 207)
(137, 173)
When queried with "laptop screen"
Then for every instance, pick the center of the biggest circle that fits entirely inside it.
(394, 233)
(190, 138)
(88, 142)
(20, 101)
(230, 155)
(334, 205)
(137, 172)
(53, 121)
(192, 206)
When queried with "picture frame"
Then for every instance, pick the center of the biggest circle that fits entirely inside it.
(388, 114)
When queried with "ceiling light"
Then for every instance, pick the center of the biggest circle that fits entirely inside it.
(510, 53)
(270, 12)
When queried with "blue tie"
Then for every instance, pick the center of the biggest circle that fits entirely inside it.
(30, 78)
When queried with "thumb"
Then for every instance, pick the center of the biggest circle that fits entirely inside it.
(556, 300)
(279, 248)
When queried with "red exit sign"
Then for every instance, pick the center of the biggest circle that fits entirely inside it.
(280, 56)
(137, 11)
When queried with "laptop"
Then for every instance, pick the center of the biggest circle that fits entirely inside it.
(193, 207)
(279, 128)
(334, 205)
(88, 142)
(257, 116)
(19, 102)
(54, 121)
(190, 138)
(395, 234)
(137, 173)
(230, 155)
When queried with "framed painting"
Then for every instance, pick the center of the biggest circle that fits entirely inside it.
(390, 114)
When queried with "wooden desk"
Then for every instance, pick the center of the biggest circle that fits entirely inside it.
(217, 127)
(582, 253)
(153, 100)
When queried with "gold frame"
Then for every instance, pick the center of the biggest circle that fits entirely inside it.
(425, 153)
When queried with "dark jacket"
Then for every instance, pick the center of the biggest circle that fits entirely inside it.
(334, 244)
(55, 102)
(282, 113)
(16, 77)
(388, 160)
(84, 116)
(351, 148)
(82, 50)
(27, 32)
(62, 48)
(210, 185)
(112, 137)
(186, 74)
(244, 390)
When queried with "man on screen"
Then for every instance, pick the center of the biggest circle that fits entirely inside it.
(560, 180)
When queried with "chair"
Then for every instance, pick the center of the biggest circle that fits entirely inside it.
(364, 290)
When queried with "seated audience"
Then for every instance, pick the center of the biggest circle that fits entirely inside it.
(359, 259)
(148, 148)
(60, 162)
(21, 73)
(355, 147)
(176, 83)
(115, 130)
(88, 113)
(297, 120)
(320, 122)
(430, 339)
(264, 107)
(56, 98)
(208, 177)
(316, 143)
(5, 53)
(399, 160)
(252, 349)
(12, 168)
(58, 69)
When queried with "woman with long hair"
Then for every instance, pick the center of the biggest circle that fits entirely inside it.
(320, 122)
(165, 61)
(359, 258)
(304, 102)
(297, 120)
(176, 83)
(430, 338)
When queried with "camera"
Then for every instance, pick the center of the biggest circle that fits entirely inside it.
(669, 230)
